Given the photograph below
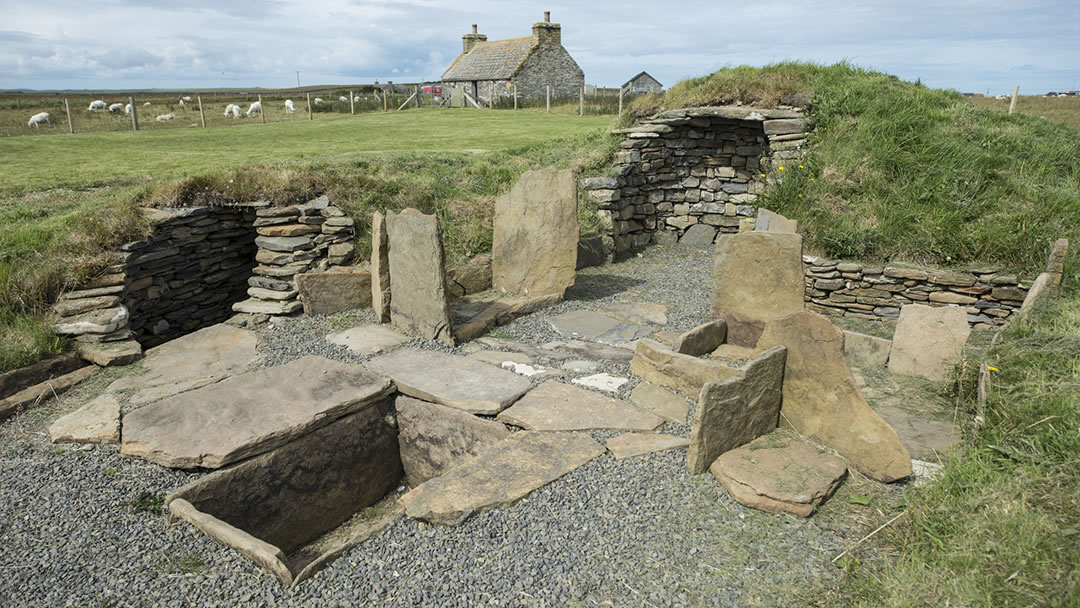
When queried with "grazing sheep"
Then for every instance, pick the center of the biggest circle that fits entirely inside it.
(318, 101)
(116, 107)
(255, 108)
(96, 105)
(343, 99)
(357, 98)
(165, 117)
(127, 109)
(186, 99)
(289, 107)
(146, 103)
(37, 119)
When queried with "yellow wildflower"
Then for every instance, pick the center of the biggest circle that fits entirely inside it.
(992, 368)
(780, 168)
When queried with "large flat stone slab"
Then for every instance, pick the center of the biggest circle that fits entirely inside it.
(862, 350)
(590, 350)
(435, 439)
(660, 401)
(822, 401)
(535, 235)
(779, 474)
(925, 438)
(368, 339)
(655, 363)
(459, 382)
(418, 302)
(597, 327)
(95, 422)
(249, 414)
(736, 410)
(197, 359)
(326, 293)
(629, 445)
(554, 406)
(928, 341)
(107, 354)
(641, 313)
(476, 314)
(758, 275)
(508, 472)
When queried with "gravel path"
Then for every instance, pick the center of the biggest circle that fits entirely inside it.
(639, 532)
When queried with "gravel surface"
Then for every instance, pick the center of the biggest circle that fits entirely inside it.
(639, 532)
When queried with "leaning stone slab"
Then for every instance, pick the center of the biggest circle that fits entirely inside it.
(249, 414)
(103, 321)
(1055, 266)
(535, 238)
(1039, 287)
(768, 221)
(654, 363)
(95, 422)
(19, 379)
(758, 275)
(59, 385)
(368, 339)
(326, 293)
(435, 439)
(597, 327)
(380, 268)
(506, 473)
(821, 400)
(418, 304)
(107, 354)
(736, 410)
(779, 474)
(554, 406)
(270, 506)
(701, 340)
(629, 445)
(862, 350)
(928, 341)
(458, 382)
(660, 401)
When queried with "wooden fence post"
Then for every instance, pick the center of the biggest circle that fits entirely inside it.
(620, 101)
(1012, 104)
(352, 104)
(419, 97)
(548, 98)
(581, 101)
(384, 96)
(202, 115)
(67, 108)
(262, 113)
(18, 105)
(309, 116)
(134, 114)
(515, 95)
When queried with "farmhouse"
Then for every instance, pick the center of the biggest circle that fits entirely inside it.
(489, 70)
(642, 83)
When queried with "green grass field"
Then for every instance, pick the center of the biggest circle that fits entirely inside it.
(1064, 110)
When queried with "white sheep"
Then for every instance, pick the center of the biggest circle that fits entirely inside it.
(357, 98)
(343, 99)
(127, 109)
(289, 107)
(318, 101)
(115, 107)
(165, 117)
(37, 119)
(181, 102)
(146, 103)
(96, 105)
(255, 108)
(228, 109)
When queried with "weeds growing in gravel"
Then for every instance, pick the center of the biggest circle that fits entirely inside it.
(147, 502)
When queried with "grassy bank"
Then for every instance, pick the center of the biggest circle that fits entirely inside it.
(68, 200)
(900, 172)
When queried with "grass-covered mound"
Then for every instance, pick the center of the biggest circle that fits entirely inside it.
(900, 172)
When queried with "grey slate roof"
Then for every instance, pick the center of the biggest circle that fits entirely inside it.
(495, 60)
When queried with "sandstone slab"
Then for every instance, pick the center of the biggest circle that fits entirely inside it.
(95, 422)
(104, 321)
(508, 472)
(106, 354)
(741, 330)
(822, 401)
(535, 237)
(925, 438)
(698, 235)
(458, 382)
(368, 339)
(67, 308)
(597, 327)
(654, 363)
(602, 382)
(769, 221)
(380, 268)
(701, 340)
(779, 474)
(660, 401)
(197, 359)
(629, 445)
(418, 303)
(641, 313)
(758, 275)
(43, 391)
(1055, 265)
(249, 414)
(862, 350)
(928, 341)
(284, 243)
(736, 410)
(326, 293)
(435, 439)
(1042, 284)
(19, 379)
(256, 306)
(554, 406)
(470, 278)
(475, 315)
(590, 350)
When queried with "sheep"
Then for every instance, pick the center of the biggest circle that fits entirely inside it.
(96, 105)
(343, 99)
(228, 109)
(318, 101)
(289, 107)
(186, 99)
(146, 103)
(236, 111)
(165, 117)
(127, 109)
(37, 119)
(115, 107)
(256, 108)
(181, 102)
(357, 98)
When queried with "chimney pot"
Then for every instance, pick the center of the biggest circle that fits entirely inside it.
(474, 28)
(547, 16)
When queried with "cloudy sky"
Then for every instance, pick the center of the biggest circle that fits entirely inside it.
(968, 45)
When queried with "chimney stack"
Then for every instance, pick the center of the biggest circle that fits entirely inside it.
(468, 41)
(547, 33)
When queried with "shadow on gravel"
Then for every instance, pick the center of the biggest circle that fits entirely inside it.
(590, 287)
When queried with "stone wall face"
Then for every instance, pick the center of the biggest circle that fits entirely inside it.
(697, 167)
(875, 292)
(549, 65)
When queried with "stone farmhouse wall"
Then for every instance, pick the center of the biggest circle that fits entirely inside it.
(696, 171)
(548, 65)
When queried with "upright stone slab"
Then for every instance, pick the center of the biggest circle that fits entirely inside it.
(654, 363)
(701, 340)
(1055, 266)
(768, 221)
(326, 293)
(418, 305)
(434, 438)
(821, 399)
(380, 268)
(928, 341)
(862, 350)
(535, 241)
(758, 275)
(1039, 287)
(737, 410)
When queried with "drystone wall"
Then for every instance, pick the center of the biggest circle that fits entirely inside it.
(693, 173)
(875, 292)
